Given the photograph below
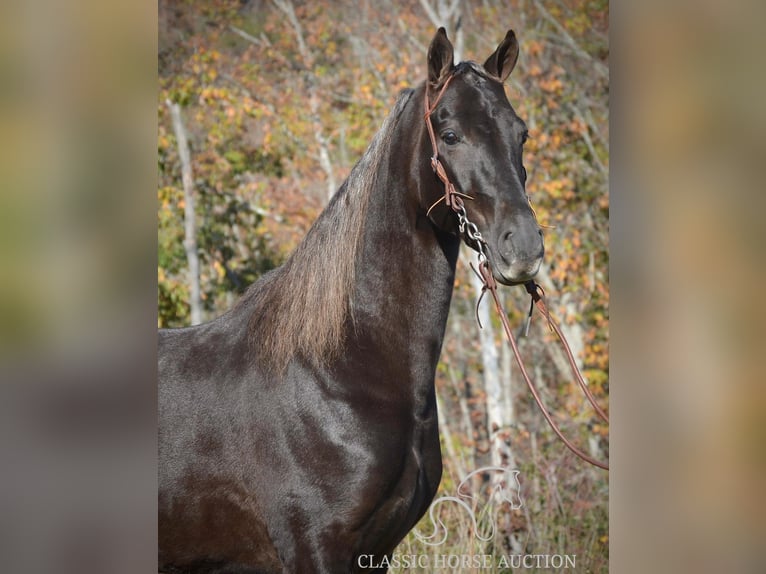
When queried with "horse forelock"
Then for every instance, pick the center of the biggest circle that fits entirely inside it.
(303, 307)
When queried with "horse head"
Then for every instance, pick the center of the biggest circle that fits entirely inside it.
(479, 140)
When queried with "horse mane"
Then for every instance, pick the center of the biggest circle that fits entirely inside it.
(301, 308)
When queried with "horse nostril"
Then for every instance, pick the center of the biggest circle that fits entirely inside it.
(508, 235)
(540, 232)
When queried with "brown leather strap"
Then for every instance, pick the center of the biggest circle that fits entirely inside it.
(538, 297)
(490, 285)
(451, 197)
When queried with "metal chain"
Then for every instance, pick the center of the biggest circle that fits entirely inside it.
(470, 232)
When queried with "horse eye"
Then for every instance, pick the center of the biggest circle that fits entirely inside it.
(524, 138)
(450, 138)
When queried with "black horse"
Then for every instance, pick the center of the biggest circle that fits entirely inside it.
(298, 432)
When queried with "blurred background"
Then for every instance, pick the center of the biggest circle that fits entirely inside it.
(687, 366)
(646, 160)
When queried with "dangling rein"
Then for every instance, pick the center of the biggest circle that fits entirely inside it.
(454, 200)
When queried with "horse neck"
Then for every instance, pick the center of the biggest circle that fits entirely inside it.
(406, 267)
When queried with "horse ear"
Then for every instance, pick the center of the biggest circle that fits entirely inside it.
(440, 56)
(503, 60)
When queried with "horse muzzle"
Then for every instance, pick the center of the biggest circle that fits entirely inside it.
(520, 253)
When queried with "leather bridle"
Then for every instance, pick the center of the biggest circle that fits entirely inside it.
(453, 199)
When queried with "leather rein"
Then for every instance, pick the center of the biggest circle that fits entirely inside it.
(470, 233)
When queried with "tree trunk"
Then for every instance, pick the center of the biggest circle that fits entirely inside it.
(190, 227)
(448, 14)
(286, 7)
(497, 405)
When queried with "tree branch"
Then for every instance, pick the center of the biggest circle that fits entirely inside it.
(286, 7)
(600, 68)
(432, 15)
(586, 138)
(246, 36)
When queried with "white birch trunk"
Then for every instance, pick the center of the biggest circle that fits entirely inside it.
(190, 226)
(500, 451)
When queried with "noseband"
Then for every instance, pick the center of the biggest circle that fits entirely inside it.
(473, 238)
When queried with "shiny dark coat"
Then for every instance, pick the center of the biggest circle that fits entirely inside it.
(306, 467)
